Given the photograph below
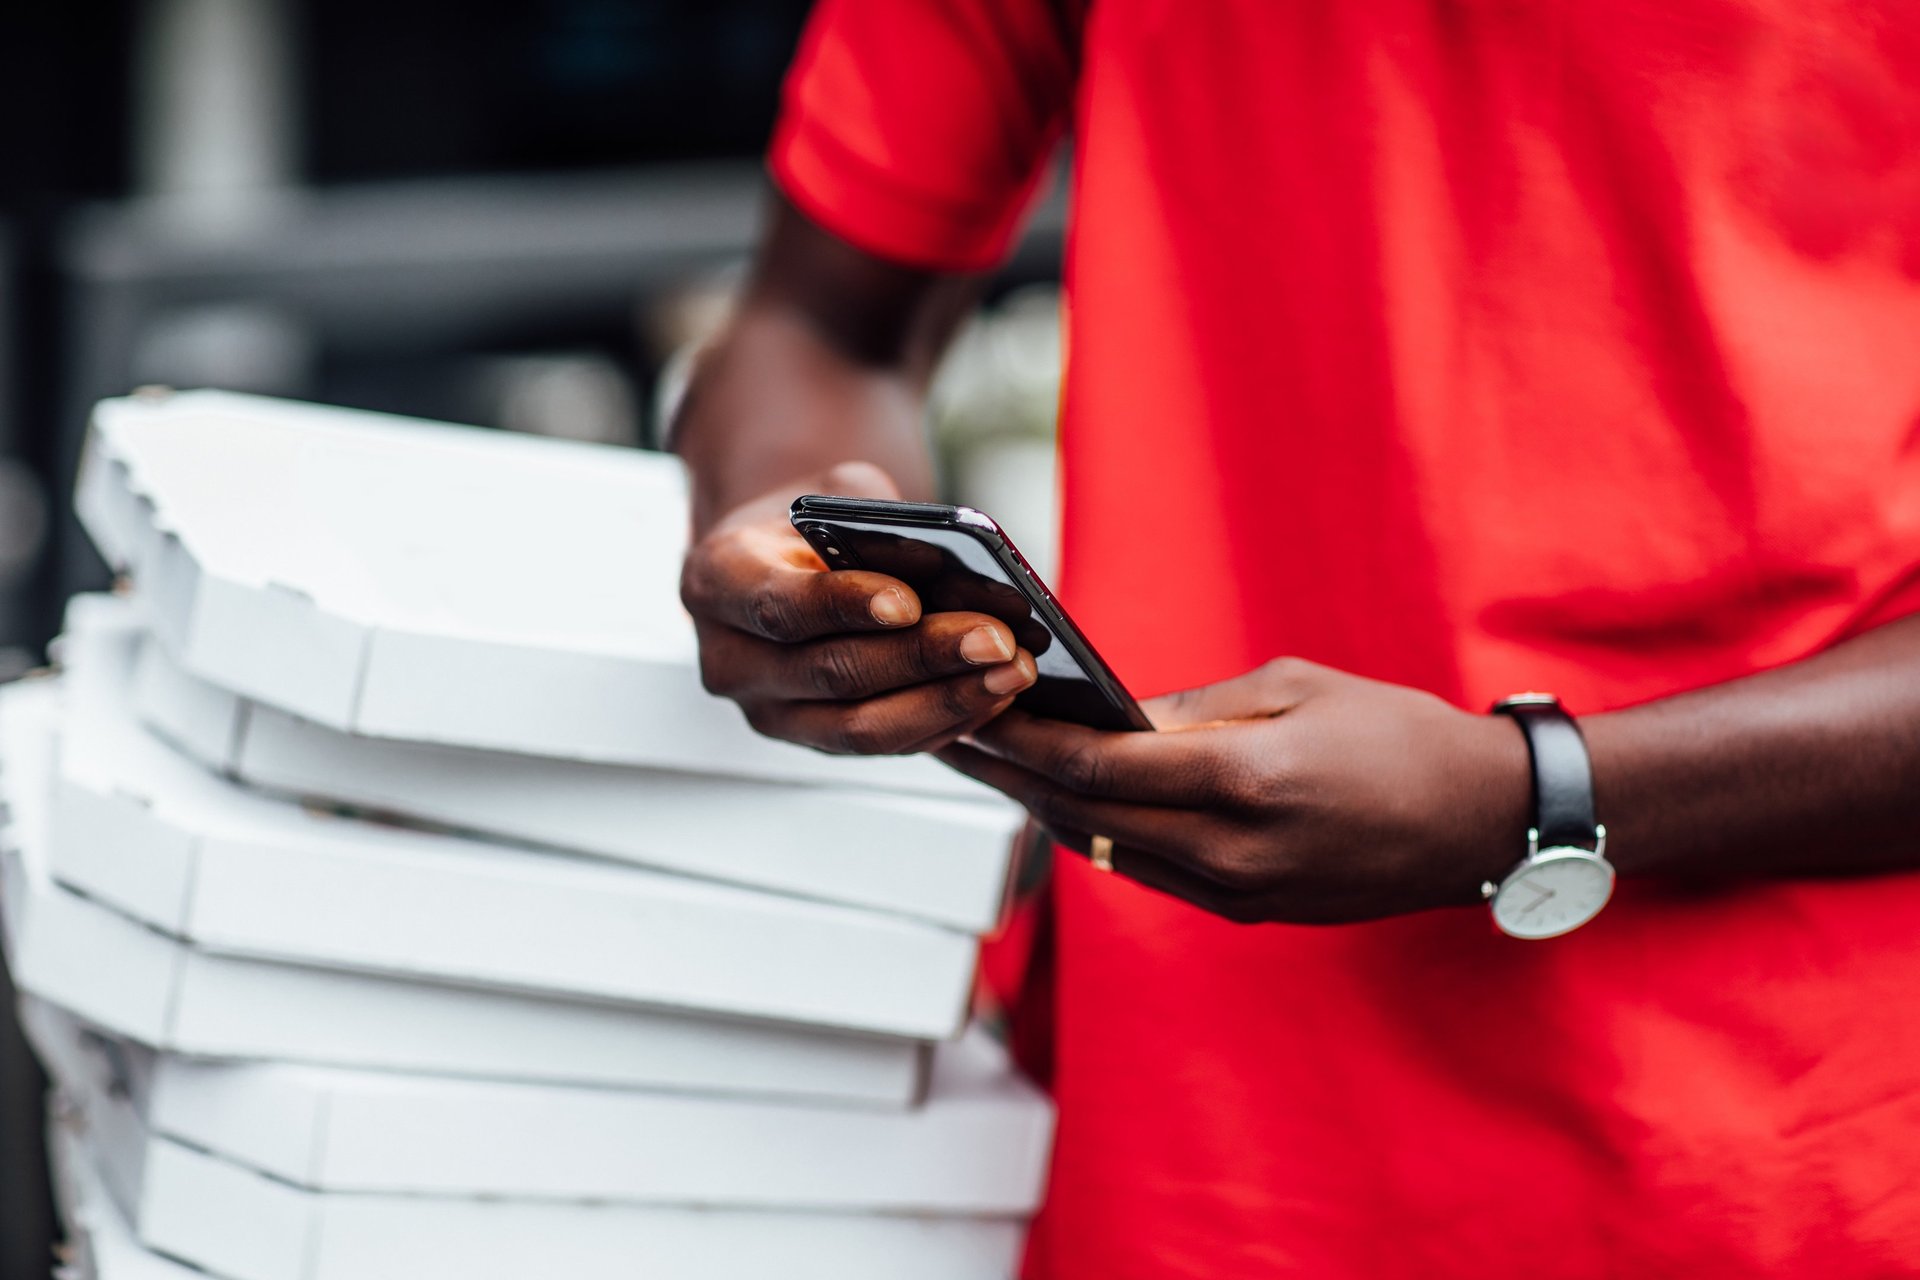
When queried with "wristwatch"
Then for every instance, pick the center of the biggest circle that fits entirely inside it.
(1565, 878)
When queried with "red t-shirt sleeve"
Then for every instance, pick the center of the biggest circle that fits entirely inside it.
(917, 129)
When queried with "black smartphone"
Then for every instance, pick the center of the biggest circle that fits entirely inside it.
(958, 560)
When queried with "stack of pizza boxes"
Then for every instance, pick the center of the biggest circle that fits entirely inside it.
(389, 899)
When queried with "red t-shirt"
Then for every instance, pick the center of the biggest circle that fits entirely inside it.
(1480, 345)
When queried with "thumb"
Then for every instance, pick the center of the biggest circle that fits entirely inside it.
(1268, 690)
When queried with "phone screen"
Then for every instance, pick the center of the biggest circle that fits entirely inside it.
(953, 570)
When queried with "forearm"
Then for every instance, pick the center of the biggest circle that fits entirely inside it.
(1813, 768)
(771, 402)
(827, 361)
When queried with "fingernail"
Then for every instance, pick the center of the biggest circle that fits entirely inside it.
(984, 645)
(1011, 678)
(891, 607)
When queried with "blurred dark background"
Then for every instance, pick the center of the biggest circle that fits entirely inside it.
(512, 213)
(236, 191)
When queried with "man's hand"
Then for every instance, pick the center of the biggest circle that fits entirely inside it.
(839, 660)
(1294, 793)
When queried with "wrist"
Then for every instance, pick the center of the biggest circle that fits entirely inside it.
(1494, 803)
(1632, 846)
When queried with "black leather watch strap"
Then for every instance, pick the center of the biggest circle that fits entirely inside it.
(1562, 771)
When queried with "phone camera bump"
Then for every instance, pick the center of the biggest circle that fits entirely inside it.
(823, 542)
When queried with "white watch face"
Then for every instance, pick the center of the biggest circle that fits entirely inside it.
(1559, 891)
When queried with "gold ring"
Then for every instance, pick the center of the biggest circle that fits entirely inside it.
(1102, 853)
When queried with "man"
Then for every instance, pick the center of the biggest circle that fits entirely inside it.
(1461, 348)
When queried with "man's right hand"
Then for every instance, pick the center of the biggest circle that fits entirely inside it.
(839, 660)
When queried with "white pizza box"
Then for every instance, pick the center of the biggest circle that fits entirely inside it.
(236, 1220)
(368, 1238)
(940, 860)
(404, 579)
(142, 829)
(135, 981)
(976, 1146)
(238, 1225)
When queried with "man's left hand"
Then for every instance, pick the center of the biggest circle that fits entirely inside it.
(1293, 793)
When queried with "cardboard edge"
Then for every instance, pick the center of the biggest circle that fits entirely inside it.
(251, 743)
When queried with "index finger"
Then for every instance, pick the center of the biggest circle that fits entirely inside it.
(1178, 769)
(758, 581)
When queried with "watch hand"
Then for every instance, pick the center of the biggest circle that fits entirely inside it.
(1537, 901)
